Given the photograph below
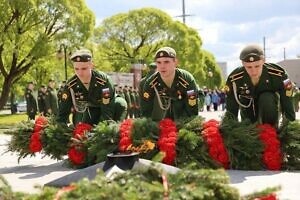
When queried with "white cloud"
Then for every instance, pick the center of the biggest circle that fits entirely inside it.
(227, 26)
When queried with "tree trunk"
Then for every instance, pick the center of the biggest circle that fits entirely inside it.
(7, 84)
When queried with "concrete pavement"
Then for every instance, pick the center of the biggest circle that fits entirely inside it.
(40, 170)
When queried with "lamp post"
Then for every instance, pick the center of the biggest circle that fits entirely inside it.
(62, 52)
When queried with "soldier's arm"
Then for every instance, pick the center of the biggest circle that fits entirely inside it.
(48, 101)
(146, 103)
(192, 101)
(107, 105)
(232, 107)
(286, 100)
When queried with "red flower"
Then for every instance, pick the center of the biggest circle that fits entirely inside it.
(40, 123)
(216, 148)
(76, 156)
(80, 129)
(35, 144)
(272, 156)
(125, 130)
(167, 140)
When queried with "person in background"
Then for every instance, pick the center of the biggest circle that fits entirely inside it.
(170, 92)
(259, 90)
(31, 101)
(42, 99)
(51, 101)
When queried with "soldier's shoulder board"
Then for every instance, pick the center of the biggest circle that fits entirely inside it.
(274, 69)
(72, 82)
(236, 75)
(152, 80)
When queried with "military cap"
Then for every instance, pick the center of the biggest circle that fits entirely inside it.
(251, 53)
(81, 55)
(165, 52)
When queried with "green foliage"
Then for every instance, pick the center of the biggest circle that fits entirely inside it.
(56, 140)
(104, 139)
(20, 139)
(265, 192)
(191, 146)
(289, 135)
(243, 144)
(144, 129)
(32, 30)
(8, 120)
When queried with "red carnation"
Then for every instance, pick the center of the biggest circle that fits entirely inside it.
(125, 130)
(272, 157)
(81, 128)
(167, 140)
(35, 146)
(214, 140)
(77, 157)
(40, 122)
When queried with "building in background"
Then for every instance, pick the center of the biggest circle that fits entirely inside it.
(292, 66)
(223, 67)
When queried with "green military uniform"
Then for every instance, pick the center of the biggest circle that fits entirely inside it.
(42, 101)
(120, 108)
(159, 101)
(51, 101)
(90, 105)
(31, 103)
(128, 100)
(260, 102)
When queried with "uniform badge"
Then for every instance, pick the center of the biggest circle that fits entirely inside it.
(78, 59)
(226, 88)
(105, 92)
(289, 93)
(146, 95)
(287, 84)
(190, 93)
(192, 102)
(179, 94)
(64, 96)
(105, 100)
(161, 54)
(251, 59)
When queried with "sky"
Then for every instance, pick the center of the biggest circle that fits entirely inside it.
(226, 26)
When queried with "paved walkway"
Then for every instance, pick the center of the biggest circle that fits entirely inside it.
(39, 170)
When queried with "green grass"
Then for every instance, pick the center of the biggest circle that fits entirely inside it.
(8, 120)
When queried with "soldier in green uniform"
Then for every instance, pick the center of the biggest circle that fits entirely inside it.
(90, 94)
(170, 92)
(128, 100)
(259, 90)
(42, 99)
(31, 102)
(60, 90)
(51, 101)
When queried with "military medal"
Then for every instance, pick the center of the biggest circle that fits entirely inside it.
(64, 96)
(179, 94)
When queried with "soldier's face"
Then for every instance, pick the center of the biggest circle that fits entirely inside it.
(83, 69)
(254, 69)
(166, 66)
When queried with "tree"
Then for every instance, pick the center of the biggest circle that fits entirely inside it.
(213, 77)
(32, 30)
(135, 36)
(132, 37)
